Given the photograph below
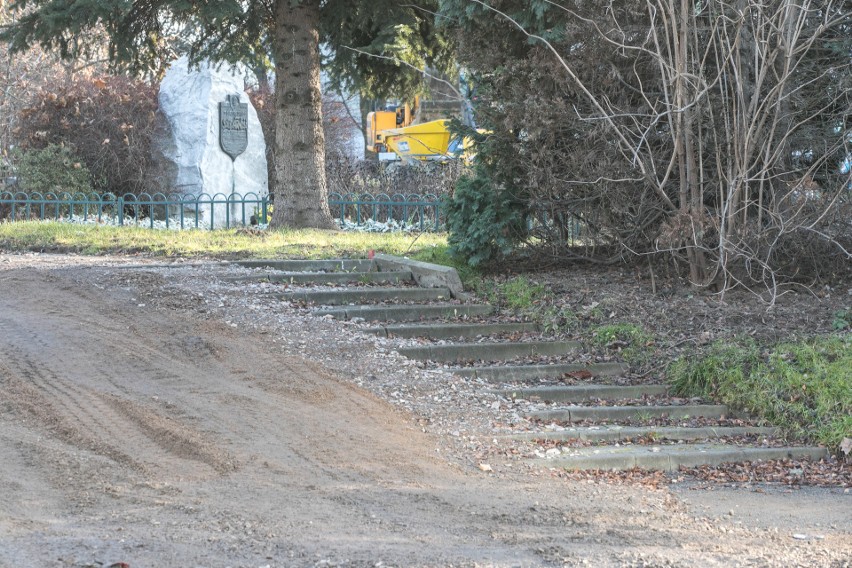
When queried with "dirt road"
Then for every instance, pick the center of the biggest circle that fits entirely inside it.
(158, 434)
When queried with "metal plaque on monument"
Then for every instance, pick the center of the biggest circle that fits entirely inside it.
(233, 126)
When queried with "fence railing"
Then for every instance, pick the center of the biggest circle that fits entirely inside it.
(412, 211)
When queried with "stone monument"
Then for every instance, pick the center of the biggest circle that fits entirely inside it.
(211, 141)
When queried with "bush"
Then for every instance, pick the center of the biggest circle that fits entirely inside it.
(346, 175)
(108, 121)
(484, 223)
(52, 169)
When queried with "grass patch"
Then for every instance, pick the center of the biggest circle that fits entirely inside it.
(629, 339)
(518, 293)
(619, 333)
(49, 236)
(804, 387)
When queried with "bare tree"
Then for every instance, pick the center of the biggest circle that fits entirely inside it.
(715, 131)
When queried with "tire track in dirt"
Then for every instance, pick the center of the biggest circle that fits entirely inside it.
(173, 437)
(37, 392)
(184, 365)
(103, 423)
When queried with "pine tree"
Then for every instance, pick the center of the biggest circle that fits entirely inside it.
(143, 34)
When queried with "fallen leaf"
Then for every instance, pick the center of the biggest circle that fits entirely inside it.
(582, 374)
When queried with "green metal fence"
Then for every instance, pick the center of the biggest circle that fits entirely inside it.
(412, 211)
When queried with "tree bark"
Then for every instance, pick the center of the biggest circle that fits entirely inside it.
(301, 193)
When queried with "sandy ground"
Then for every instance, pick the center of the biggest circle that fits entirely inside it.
(163, 434)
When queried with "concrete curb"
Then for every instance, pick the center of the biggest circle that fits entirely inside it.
(581, 393)
(612, 413)
(488, 351)
(365, 295)
(452, 330)
(406, 313)
(670, 458)
(519, 373)
(617, 433)
(426, 275)
(326, 277)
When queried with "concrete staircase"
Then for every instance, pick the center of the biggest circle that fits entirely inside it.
(588, 415)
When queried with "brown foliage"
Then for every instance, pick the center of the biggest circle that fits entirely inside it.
(108, 121)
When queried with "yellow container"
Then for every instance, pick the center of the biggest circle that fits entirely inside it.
(427, 141)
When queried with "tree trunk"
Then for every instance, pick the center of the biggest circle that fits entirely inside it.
(301, 193)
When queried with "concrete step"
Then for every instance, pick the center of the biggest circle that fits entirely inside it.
(616, 413)
(452, 330)
(406, 313)
(426, 274)
(671, 457)
(520, 373)
(488, 351)
(582, 393)
(335, 265)
(615, 433)
(366, 295)
(327, 277)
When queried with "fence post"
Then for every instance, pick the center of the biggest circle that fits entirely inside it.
(120, 205)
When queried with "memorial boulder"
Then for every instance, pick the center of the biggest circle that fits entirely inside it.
(211, 142)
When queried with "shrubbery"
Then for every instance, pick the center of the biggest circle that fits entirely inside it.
(484, 222)
(108, 121)
(54, 169)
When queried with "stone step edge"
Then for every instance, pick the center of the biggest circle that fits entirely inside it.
(339, 264)
(517, 373)
(617, 433)
(580, 393)
(580, 413)
(671, 458)
(323, 277)
(451, 330)
(409, 312)
(351, 295)
(370, 290)
(488, 351)
(427, 275)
